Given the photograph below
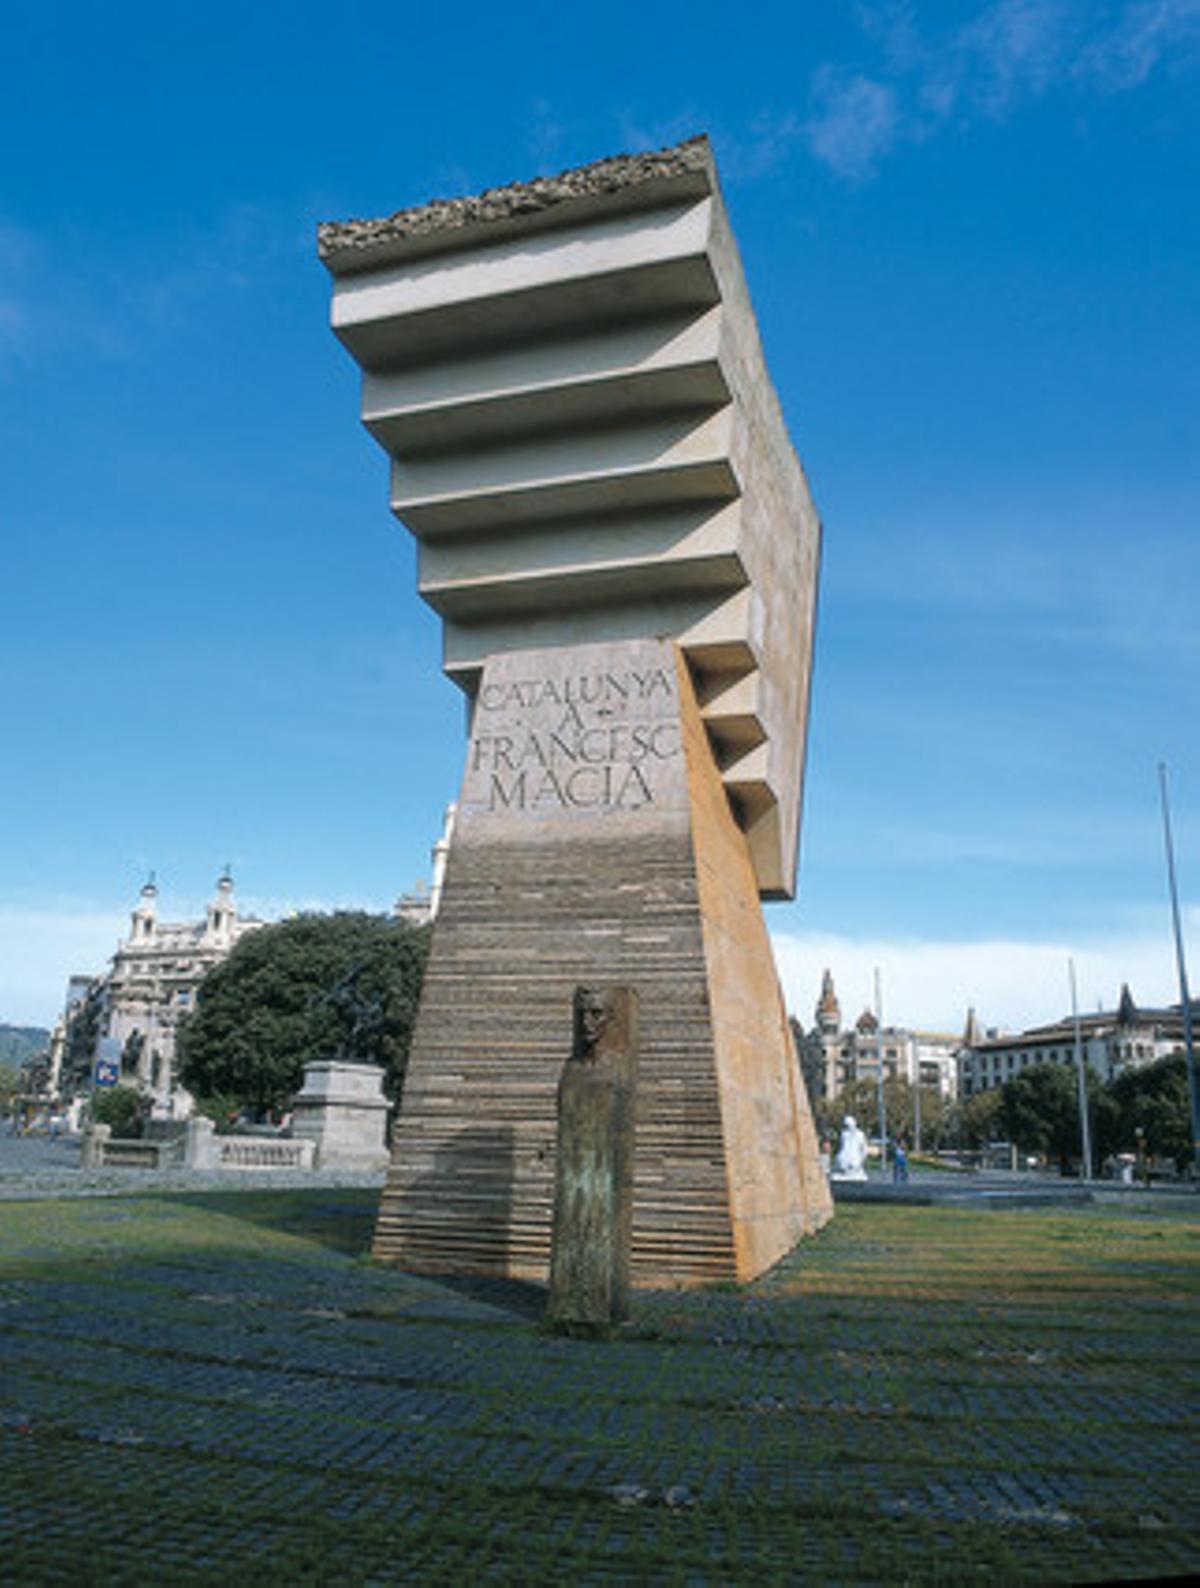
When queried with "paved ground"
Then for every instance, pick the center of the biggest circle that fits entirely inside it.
(25, 1155)
(34, 1167)
(217, 1387)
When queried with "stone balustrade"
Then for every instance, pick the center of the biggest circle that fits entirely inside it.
(258, 1152)
(200, 1149)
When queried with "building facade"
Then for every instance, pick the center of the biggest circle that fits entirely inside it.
(1112, 1041)
(151, 984)
(833, 1056)
(420, 907)
(83, 993)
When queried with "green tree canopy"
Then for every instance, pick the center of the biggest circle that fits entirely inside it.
(1039, 1112)
(861, 1098)
(300, 990)
(1154, 1099)
(979, 1117)
(121, 1107)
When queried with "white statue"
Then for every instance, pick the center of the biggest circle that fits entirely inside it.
(850, 1162)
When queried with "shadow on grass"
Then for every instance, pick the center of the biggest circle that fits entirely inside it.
(519, 1296)
(342, 1221)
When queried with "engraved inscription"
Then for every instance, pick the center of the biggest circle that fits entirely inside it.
(588, 741)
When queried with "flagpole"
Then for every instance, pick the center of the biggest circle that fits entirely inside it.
(1085, 1128)
(883, 1152)
(1184, 997)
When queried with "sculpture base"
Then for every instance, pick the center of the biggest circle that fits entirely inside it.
(595, 843)
(341, 1109)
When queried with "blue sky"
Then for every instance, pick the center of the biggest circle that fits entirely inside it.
(971, 233)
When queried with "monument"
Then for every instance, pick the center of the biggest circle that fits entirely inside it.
(593, 1163)
(618, 536)
(850, 1160)
(341, 1107)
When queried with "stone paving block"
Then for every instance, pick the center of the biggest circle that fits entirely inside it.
(464, 1437)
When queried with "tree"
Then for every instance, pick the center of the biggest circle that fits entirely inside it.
(1154, 1100)
(1039, 1111)
(1104, 1116)
(121, 1107)
(979, 1118)
(861, 1098)
(309, 988)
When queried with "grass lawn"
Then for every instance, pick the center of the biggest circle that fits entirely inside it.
(220, 1388)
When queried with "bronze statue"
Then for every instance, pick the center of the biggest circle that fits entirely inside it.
(363, 1018)
(593, 1184)
(591, 1021)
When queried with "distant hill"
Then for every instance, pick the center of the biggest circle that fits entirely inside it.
(18, 1042)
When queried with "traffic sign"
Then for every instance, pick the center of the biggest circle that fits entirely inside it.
(107, 1069)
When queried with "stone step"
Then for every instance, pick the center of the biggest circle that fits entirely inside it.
(601, 273)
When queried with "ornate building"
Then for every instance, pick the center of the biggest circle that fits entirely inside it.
(421, 907)
(152, 983)
(1114, 1041)
(73, 1040)
(833, 1058)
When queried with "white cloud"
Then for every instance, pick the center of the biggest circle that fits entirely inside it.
(51, 307)
(1009, 51)
(1013, 47)
(546, 137)
(44, 308)
(1119, 597)
(1146, 32)
(1011, 984)
(39, 949)
(639, 136)
(926, 983)
(767, 145)
(854, 123)
(18, 316)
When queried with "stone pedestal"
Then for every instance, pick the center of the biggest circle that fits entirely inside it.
(199, 1146)
(595, 843)
(95, 1139)
(341, 1109)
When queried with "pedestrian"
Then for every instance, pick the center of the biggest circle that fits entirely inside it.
(899, 1163)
